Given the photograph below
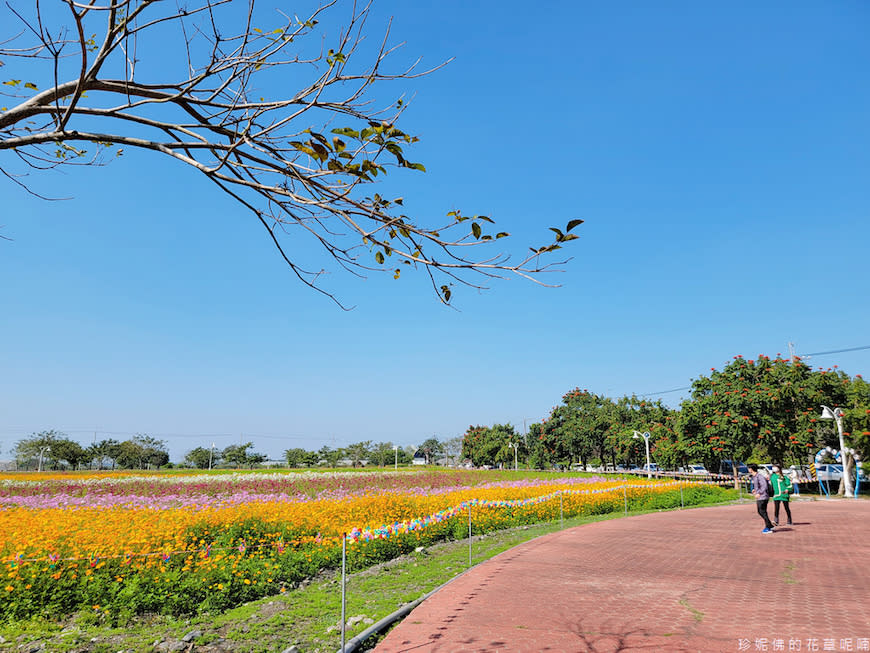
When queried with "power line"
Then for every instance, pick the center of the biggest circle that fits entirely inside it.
(835, 351)
(664, 392)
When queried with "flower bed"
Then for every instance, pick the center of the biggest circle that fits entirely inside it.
(182, 544)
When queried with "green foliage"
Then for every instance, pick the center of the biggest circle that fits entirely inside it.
(240, 456)
(57, 451)
(490, 445)
(202, 458)
(762, 409)
(141, 452)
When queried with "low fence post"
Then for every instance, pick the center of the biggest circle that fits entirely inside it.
(469, 534)
(343, 585)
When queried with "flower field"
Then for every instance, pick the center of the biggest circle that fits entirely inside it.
(126, 544)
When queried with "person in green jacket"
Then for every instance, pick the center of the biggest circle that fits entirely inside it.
(781, 488)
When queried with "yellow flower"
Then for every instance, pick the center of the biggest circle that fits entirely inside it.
(9, 588)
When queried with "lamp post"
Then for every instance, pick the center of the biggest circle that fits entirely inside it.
(637, 435)
(396, 450)
(837, 415)
(210, 454)
(41, 452)
(515, 447)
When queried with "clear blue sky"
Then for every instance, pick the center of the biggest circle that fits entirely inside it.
(719, 153)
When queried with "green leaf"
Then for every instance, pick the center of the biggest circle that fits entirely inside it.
(559, 234)
(574, 223)
(415, 166)
(502, 234)
(397, 273)
(484, 219)
(445, 292)
(346, 131)
(379, 257)
(31, 85)
(303, 148)
(475, 229)
(396, 151)
(338, 144)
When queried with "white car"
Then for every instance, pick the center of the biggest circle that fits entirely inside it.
(697, 469)
(829, 473)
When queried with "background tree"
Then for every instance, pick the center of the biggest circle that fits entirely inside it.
(383, 455)
(130, 455)
(298, 457)
(202, 457)
(299, 161)
(329, 455)
(68, 453)
(238, 454)
(103, 453)
(153, 451)
(57, 450)
(453, 449)
(431, 448)
(482, 444)
(358, 452)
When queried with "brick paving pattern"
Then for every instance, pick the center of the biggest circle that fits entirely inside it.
(703, 579)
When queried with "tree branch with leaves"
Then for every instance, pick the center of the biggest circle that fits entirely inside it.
(87, 83)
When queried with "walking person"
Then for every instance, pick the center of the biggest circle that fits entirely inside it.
(782, 487)
(761, 490)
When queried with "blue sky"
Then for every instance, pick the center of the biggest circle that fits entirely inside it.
(717, 151)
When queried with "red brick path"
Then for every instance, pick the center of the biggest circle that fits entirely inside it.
(692, 580)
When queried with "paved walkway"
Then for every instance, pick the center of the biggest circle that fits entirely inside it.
(703, 579)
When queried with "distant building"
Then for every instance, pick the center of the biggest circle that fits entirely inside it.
(419, 458)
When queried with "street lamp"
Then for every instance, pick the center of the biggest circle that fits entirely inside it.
(396, 449)
(837, 415)
(210, 454)
(637, 435)
(515, 446)
(41, 452)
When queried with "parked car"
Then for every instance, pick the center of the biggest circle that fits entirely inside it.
(725, 468)
(825, 472)
(696, 469)
(652, 467)
(766, 469)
